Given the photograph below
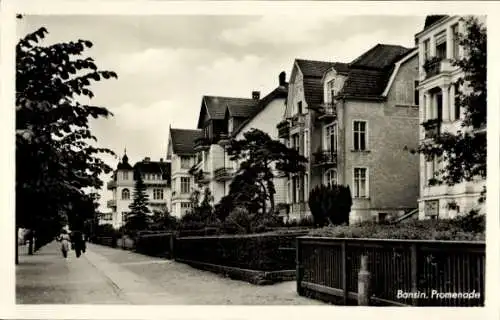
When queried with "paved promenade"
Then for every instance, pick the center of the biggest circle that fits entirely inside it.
(112, 276)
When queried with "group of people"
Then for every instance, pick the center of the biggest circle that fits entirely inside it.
(74, 240)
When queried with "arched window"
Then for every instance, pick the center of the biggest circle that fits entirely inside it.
(125, 194)
(330, 177)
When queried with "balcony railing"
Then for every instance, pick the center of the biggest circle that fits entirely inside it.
(432, 128)
(111, 185)
(201, 177)
(201, 144)
(111, 204)
(283, 129)
(436, 65)
(224, 139)
(297, 121)
(223, 174)
(325, 157)
(328, 111)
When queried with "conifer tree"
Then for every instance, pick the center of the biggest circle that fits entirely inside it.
(139, 216)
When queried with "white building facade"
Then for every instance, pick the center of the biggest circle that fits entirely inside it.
(438, 46)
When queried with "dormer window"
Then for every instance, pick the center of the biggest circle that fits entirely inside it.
(331, 89)
(299, 107)
(230, 125)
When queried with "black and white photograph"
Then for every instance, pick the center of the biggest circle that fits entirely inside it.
(250, 159)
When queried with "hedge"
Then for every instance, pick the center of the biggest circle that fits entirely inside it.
(262, 252)
(450, 229)
(154, 244)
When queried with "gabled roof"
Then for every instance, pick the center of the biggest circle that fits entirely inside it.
(183, 140)
(316, 69)
(216, 106)
(432, 19)
(279, 92)
(161, 167)
(379, 57)
(242, 109)
(369, 73)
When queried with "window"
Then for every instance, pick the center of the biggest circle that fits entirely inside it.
(306, 143)
(185, 185)
(296, 142)
(158, 194)
(331, 177)
(416, 94)
(331, 88)
(296, 189)
(330, 142)
(125, 194)
(427, 50)
(288, 192)
(230, 125)
(456, 105)
(299, 107)
(456, 41)
(125, 175)
(441, 45)
(359, 135)
(185, 162)
(173, 186)
(124, 216)
(185, 205)
(360, 183)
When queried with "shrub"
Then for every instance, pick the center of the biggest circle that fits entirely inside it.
(449, 229)
(330, 204)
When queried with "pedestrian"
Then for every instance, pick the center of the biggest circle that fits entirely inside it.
(64, 239)
(78, 242)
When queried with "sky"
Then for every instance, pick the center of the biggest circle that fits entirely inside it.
(165, 64)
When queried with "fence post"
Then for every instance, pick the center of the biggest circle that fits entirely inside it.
(414, 272)
(172, 239)
(364, 278)
(344, 271)
(299, 268)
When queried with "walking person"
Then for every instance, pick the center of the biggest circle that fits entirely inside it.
(64, 239)
(78, 242)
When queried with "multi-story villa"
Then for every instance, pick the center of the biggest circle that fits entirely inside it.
(182, 156)
(156, 176)
(438, 46)
(222, 117)
(353, 122)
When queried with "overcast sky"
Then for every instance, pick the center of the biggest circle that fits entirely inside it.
(166, 63)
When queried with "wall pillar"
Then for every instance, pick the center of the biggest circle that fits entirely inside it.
(453, 116)
(449, 43)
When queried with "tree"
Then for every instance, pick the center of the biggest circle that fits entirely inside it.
(55, 158)
(201, 212)
(464, 153)
(258, 154)
(138, 218)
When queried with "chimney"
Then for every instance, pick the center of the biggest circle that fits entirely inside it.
(147, 159)
(282, 78)
(161, 160)
(256, 95)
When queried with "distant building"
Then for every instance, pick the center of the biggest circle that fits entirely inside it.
(438, 45)
(182, 156)
(156, 176)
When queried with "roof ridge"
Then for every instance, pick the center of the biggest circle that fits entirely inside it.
(226, 97)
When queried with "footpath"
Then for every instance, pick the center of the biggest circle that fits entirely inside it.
(105, 275)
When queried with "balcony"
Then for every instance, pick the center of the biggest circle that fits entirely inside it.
(325, 157)
(223, 174)
(224, 140)
(283, 129)
(201, 177)
(111, 204)
(328, 112)
(432, 128)
(436, 65)
(201, 144)
(111, 185)
(297, 121)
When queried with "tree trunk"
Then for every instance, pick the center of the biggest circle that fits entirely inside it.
(17, 245)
